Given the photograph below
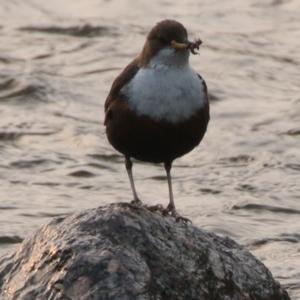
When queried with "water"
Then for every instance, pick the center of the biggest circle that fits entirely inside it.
(57, 62)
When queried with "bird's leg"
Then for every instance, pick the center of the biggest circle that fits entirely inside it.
(171, 206)
(128, 165)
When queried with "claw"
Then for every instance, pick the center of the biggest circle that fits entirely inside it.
(170, 211)
(154, 208)
(183, 220)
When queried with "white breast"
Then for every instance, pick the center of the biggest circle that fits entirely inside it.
(165, 92)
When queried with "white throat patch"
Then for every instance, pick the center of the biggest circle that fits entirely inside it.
(166, 90)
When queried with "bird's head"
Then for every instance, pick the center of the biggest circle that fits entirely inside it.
(167, 43)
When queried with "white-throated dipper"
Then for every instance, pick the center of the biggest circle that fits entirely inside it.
(157, 109)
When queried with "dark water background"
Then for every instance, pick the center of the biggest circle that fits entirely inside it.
(57, 61)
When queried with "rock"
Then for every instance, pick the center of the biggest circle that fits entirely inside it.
(125, 252)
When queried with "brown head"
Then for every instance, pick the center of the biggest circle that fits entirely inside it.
(167, 34)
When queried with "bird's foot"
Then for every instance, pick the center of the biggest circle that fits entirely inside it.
(155, 208)
(171, 211)
(137, 202)
(182, 219)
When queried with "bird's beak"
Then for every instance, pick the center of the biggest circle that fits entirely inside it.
(179, 46)
(192, 46)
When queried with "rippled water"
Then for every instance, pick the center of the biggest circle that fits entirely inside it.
(57, 61)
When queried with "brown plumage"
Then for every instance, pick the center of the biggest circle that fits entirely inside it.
(142, 137)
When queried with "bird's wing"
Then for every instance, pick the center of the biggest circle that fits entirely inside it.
(126, 75)
(205, 91)
(204, 87)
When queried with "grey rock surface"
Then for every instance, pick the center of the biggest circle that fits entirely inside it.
(125, 252)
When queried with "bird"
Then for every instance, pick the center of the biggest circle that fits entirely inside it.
(157, 109)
